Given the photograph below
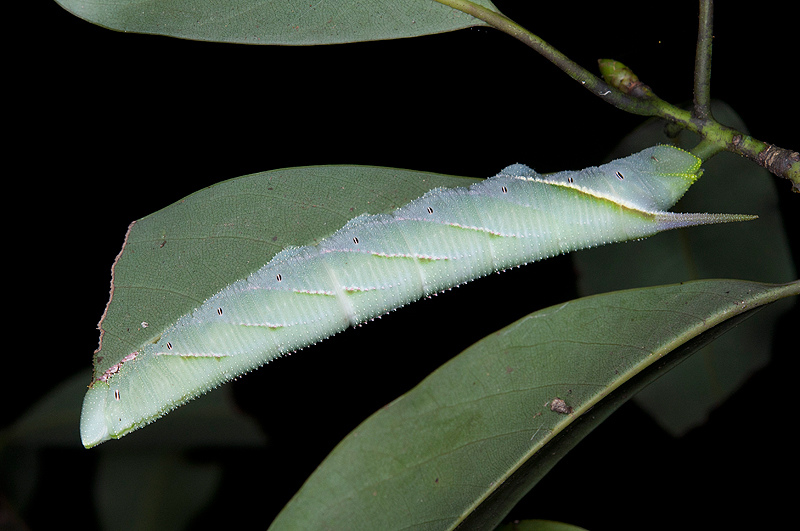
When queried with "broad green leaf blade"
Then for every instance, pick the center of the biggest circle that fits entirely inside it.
(174, 259)
(162, 489)
(471, 439)
(759, 250)
(169, 486)
(288, 22)
(539, 525)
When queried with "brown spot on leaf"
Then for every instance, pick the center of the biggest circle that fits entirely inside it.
(559, 406)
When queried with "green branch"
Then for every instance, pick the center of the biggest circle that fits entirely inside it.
(621, 88)
(702, 63)
(595, 85)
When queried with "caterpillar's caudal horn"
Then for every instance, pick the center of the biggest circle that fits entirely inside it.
(677, 220)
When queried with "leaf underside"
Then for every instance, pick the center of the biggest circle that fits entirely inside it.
(285, 22)
(174, 259)
(470, 440)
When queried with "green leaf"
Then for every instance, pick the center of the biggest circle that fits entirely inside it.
(162, 489)
(759, 250)
(176, 258)
(152, 472)
(291, 22)
(539, 525)
(469, 441)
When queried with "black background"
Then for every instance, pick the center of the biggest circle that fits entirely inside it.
(109, 127)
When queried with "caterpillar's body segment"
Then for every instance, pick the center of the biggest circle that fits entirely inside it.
(376, 263)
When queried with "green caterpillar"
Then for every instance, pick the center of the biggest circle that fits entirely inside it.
(376, 263)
